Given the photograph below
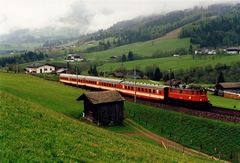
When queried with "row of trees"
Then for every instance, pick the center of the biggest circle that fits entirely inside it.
(214, 32)
(22, 58)
(93, 71)
(210, 74)
(129, 57)
(207, 74)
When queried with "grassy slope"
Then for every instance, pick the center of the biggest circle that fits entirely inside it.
(41, 134)
(175, 63)
(53, 95)
(224, 102)
(142, 48)
(188, 130)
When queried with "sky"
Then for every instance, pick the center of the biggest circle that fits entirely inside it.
(84, 15)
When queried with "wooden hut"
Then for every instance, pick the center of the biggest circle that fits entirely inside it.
(103, 107)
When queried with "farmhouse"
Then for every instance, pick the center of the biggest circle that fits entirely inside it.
(104, 107)
(40, 68)
(73, 57)
(233, 50)
(206, 51)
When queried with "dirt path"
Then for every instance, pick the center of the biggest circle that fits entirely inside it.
(167, 144)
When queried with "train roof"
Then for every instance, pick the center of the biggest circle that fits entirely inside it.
(93, 78)
(147, 85)
(115, 81)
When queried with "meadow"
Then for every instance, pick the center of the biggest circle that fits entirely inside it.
(217, 138)
(40, 116)
(224, 102)
(142, 49)
(33, 133)
(174, 63)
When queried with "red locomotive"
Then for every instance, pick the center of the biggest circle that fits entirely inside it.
(190, 97)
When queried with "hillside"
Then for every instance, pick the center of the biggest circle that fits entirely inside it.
(175, 63)
(43, 135)
(40, 133)
(151, 27)
(219, 31)
(142, 49)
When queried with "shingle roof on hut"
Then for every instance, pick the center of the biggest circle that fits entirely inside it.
(102, 97)
(228, 85)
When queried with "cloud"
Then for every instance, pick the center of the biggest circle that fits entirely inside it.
(78, 18)
(83, 15)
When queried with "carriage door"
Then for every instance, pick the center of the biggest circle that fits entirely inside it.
(166, 89)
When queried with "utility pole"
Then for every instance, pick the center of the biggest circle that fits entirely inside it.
(135, 97)
(77, 73)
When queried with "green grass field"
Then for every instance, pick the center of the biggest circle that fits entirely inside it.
(141, 48)
(32, 133)
(210, 136)
(175, 63)
(224, 102)
(43, 92)
(34, 129)
(23, 46)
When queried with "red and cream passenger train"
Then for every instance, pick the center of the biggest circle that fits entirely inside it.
(190, 97)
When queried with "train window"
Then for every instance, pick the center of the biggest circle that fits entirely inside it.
(142, 89)
(170, 89)
(154, 91)
(146, 90)
(138, 89)
(160, 92)
(150, 91)
(192, 92)
(181, 91)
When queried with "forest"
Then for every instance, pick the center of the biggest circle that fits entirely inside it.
(22, 58)
(221, 31)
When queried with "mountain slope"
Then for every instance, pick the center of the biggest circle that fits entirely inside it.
(223, 30)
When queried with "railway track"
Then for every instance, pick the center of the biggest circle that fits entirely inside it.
(216, 113)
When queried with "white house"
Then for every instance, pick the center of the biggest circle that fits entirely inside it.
(37, 68)
(233, 50)
(73, 57)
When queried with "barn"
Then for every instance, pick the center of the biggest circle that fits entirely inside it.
(229, 87)
(228, 90)
(103, 107)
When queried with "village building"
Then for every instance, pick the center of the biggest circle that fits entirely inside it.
(228, 90)
(73, 58)
(206, 51)
(229, 87)
(103, 107)
(40, 68)
(232, 50)
(61, 70)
